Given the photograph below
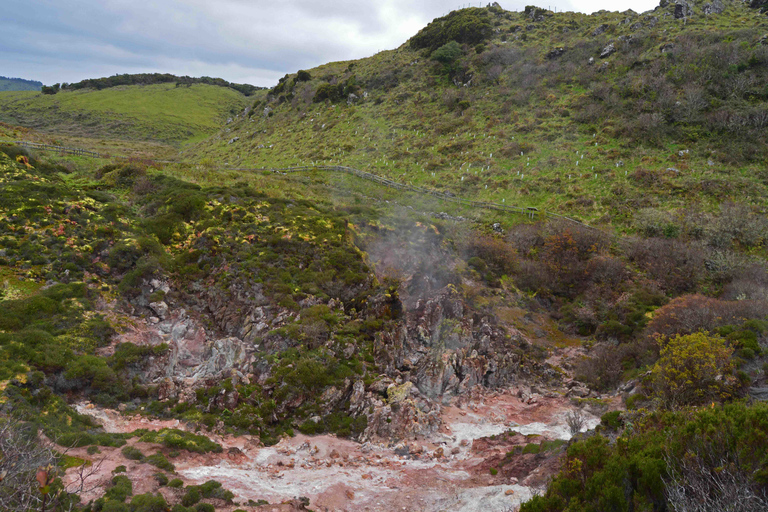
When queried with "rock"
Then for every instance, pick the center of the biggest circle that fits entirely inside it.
(350, 495)
(608, 51)
(509, 492)
(715, 7)
(497, 228)
(556, 52)
(683, 10)
(599, 30)
(578, 391)
(759, 393)
(160, 309)
(455, 451)
(233, 140)
(439, 453)
(334, 454)
(673, 169)
(591, 61)
(464, 442)
(636, 26)
(396, 394)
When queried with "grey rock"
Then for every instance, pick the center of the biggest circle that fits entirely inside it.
(608, 51)
(556, 52)
(759, 393)
(601, 29)
(160, 309)
(716, 7)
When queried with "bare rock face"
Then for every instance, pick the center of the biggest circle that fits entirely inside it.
(193, 358)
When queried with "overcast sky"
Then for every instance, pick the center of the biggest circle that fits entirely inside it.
(245, 41)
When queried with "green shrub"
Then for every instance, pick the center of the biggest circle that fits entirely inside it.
(159, 460)
(179, 439)
(148, 503)
(611, 420)
(176, 483)
(161, 478)
(132, 453)
(204, 507)
(191, 497)
(121, 488)
(465, 26)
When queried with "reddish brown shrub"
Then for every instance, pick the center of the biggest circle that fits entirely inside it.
(676, 266)
(692, 313)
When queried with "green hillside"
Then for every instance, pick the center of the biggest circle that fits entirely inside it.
(526, 111)
(161, 112)
(19, 84)
(319, 302)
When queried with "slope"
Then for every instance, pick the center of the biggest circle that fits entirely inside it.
(160, 112)
(595, 116)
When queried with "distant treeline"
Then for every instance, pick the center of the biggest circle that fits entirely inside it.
(18, 84)
(155, 78)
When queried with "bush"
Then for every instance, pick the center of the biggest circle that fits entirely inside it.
(132, 453)
(204, 507)
(120, 490)
(303, 76)
(162, 478)
(465, 26)
(191, 497)
(159, 460)
(148, 503)
(176, 483)
(692, 369)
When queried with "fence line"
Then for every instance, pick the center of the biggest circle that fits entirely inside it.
(445, 196)
(59, 149)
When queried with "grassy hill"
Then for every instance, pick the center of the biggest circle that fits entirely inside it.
(19, 84)
(651, 127)
(161, 112)
(562, 111)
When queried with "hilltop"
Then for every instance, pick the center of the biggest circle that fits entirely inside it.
(19, 84)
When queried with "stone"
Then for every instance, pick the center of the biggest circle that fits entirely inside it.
(608, 51)
(556, 52)
(509, 492)
(599, 30)
(350, 495)
(715, 7)
(160, 309)
(397, 394)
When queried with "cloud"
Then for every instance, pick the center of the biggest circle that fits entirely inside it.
(252, 41)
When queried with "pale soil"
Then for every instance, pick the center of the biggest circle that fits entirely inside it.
(440, 473)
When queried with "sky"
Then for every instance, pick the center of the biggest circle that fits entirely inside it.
(243, 41)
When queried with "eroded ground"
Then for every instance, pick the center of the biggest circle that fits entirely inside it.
(450, 470)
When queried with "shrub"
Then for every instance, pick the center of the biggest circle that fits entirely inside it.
(303, 76)
(159, 460)
(465, 26)
(191, 497)
(148, 503)
(162, 478)
(120, 490)
(692, 369)
(132, 453)
(176, 483)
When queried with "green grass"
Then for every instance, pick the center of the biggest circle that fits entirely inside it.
(416, 127)
(159, 112)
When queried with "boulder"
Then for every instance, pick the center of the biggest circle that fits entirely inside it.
(608, 51)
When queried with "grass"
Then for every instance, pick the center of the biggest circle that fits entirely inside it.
(408, 128)
(159, 113)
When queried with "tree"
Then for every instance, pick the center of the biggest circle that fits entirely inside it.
(692, 369)
(447, 55)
